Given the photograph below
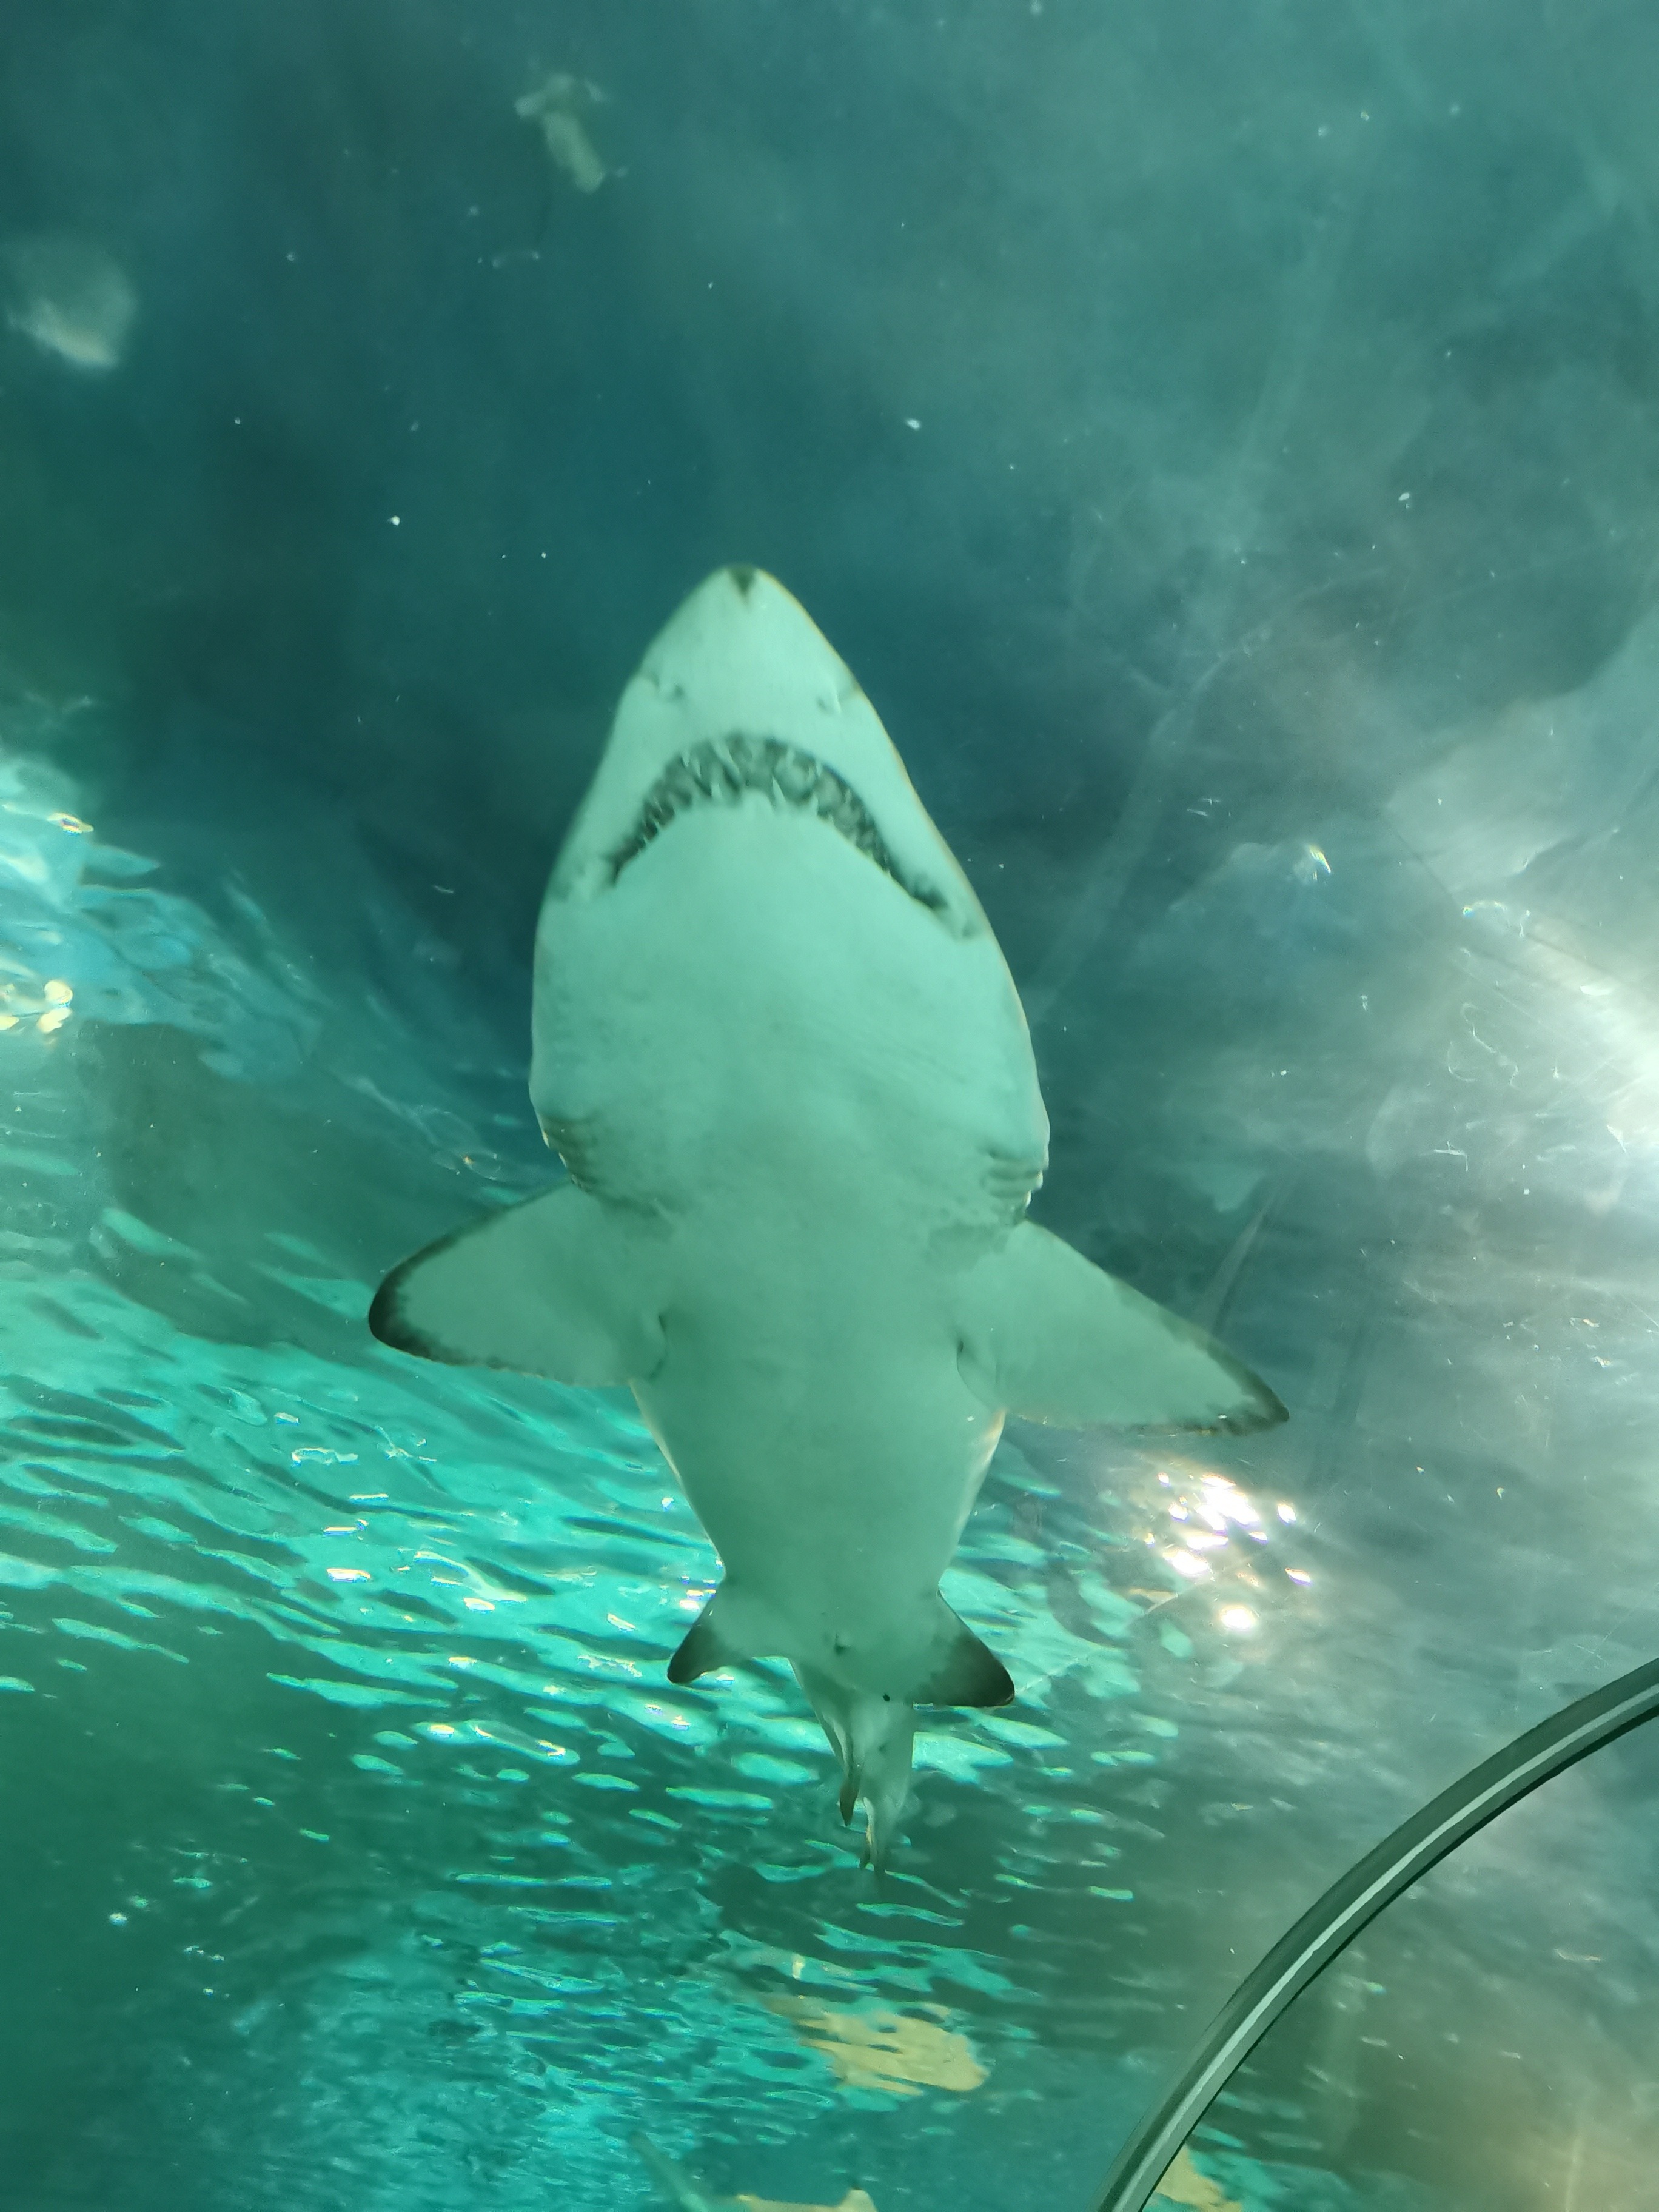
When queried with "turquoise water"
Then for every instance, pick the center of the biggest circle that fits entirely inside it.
(1222, 441)
(345, 1782)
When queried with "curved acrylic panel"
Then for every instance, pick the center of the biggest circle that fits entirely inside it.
(1491, 2044)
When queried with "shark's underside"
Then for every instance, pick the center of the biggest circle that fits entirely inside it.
(779, 1051)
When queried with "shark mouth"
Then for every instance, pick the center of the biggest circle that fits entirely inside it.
(719, 771)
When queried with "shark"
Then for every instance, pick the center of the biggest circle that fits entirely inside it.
(778, 1050)
(684, 2193)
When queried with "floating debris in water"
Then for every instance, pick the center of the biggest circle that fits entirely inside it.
(72, 299)
(558, 105)
(1310, 864)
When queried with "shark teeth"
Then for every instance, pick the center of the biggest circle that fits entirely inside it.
(720, 770)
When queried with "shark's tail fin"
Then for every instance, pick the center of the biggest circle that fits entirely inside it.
(873, 1731)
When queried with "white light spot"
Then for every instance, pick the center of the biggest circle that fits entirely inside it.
(1236, 1619)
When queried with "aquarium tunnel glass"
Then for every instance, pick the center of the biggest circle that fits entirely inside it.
(1222, 438)
(1489, 2042)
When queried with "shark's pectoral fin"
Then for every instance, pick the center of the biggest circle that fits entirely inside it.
(548, 1287)
(964, 1672)
(1045, 1334)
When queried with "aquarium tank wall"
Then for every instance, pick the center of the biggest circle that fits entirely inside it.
(1221, 440)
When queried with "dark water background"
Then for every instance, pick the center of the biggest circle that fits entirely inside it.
(1223, 440)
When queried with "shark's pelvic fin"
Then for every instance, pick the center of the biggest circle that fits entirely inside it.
(966, 1673)
(1047, 1334)
(548, 1287)
(713, 1640)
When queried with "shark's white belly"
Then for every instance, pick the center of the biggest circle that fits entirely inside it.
(780, 1052)
(828, 1133)
(826, 1441)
